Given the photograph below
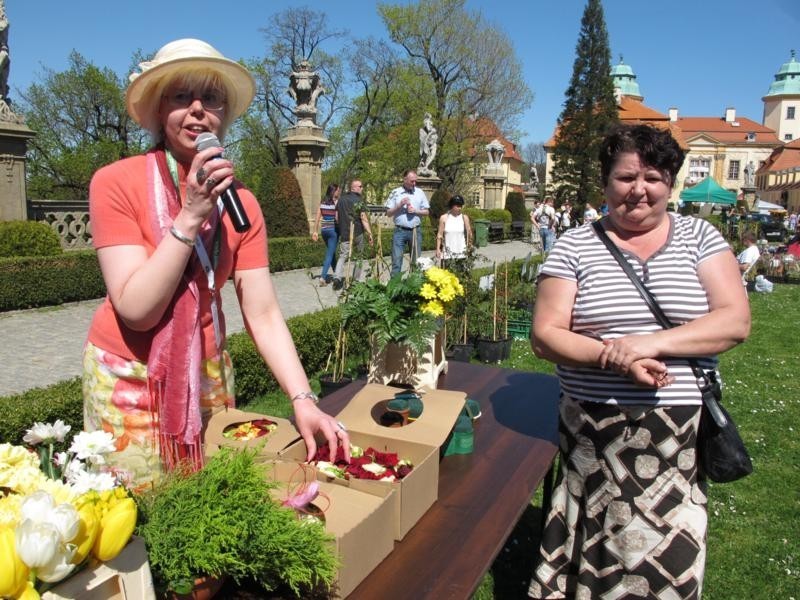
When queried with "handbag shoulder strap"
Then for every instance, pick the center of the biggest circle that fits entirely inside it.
(708, 384)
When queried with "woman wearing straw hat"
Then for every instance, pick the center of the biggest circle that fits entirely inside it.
(155, 363)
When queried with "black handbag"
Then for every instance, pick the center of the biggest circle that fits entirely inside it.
(721, 453)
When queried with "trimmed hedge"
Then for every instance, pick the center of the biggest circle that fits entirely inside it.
(31, 282)
(62, 400)
(281, 202)
(515, 204)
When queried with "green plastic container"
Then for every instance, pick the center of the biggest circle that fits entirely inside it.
(481, 233)
(463, 439)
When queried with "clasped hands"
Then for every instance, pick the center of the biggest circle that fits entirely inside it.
(631, 356)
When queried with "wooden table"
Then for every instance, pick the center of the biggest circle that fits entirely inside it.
(481, 495)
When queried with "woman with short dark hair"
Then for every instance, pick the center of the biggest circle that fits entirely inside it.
(454, 236)
(628, 516)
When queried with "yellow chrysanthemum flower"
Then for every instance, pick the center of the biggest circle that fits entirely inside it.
(434, 307)
(427, 291)
(10, 510)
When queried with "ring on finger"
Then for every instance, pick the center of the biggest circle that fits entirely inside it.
(201, 175)
(341, 426)
(211, 183)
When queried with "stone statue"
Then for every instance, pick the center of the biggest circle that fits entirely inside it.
(428, 145)
(749, 174)
(534, 175)
(305, 88)
(5, 59)
(495, 150)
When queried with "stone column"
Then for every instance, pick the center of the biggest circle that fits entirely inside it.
(305, 146)
(14, 136)
(428, 184)
(494, 183)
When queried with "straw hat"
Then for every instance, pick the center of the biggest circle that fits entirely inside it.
(144, 92)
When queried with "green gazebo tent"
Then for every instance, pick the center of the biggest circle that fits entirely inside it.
(708, 190)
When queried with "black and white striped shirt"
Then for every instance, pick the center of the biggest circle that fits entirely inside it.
(607, 305)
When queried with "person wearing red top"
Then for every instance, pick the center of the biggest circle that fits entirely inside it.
(155, 364)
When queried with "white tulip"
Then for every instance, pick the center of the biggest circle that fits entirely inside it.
(59, 566)
(66, 520)
(36, 543)
(36, 505)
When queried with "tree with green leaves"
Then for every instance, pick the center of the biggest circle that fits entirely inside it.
(81, 124)
(589, 111)
(473, 72)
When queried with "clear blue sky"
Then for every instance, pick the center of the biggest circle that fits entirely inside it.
(700, 56)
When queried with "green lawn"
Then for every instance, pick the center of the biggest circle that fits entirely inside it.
(754, 524)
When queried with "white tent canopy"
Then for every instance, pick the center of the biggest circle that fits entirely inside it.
(764, 207)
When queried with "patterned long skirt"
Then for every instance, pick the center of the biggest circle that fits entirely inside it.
(628, 514)
(116, 399)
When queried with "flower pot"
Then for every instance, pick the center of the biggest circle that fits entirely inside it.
(328, 385)
(461, 352)
(492, 351)
(509, 344)
(399, 364)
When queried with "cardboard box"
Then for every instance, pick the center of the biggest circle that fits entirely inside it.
(419, 442)
(127, 577)
(270, 445)
(360, 523)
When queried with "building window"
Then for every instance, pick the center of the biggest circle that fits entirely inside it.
(790, 112)
(476, 170)
(787, 137)
(733, 169)
(475, 198)
(699, 168)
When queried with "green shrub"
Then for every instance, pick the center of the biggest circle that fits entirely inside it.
(439, 200)
(62, 400)
(498, 214)
(287, 254)
(314, 337)
(47, 281)
(28, 238)
(474, 213)
(515, 204)
(281, 203)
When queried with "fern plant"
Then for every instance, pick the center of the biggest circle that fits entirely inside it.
(407, 309)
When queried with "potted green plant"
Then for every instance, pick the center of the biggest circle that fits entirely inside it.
(494, 343)
(222, 522)
(403, 318)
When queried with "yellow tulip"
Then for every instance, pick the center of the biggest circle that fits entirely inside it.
(29, 593)
(14, 573)
(116, 528)
(88, 529)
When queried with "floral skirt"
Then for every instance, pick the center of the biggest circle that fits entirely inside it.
(628, 514)
(116, 399)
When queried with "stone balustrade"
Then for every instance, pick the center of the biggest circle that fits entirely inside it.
(68, 218)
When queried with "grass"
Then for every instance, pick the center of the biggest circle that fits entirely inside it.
(754, 530)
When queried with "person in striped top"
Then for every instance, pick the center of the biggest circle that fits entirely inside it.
(628, 515)
(325, 225)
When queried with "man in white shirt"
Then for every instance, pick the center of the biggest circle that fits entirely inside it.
(406, 205)
(748, 257)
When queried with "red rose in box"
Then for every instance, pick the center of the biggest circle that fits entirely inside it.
(249, 430)
(364, 464)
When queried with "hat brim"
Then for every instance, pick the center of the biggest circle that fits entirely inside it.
(142, 104)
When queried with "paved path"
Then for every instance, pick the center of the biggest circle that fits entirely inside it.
(43, 346)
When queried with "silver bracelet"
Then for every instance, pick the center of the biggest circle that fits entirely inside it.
(310, 395)
(181, 237)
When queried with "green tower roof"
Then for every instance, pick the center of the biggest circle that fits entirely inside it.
(624, 79)
(787, 79)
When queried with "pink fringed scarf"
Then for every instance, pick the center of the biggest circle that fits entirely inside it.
(173, 366)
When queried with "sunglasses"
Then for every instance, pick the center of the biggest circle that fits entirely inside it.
(211, 99)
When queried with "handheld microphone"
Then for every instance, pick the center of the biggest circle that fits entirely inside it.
(230, 199)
